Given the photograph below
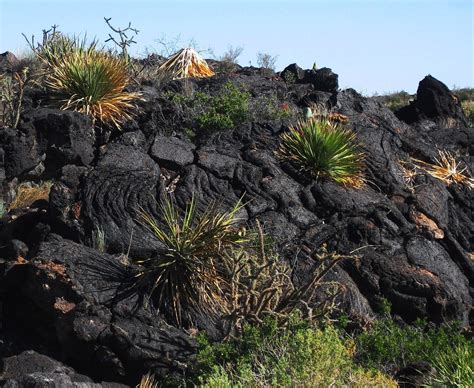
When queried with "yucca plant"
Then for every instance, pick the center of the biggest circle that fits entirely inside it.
(88, 80)
(447, 169)
(324, 149)
(188, 273)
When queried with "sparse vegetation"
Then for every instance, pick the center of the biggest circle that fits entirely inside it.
(299, 355)
(388, 347)
(28, 193)
(324, 149)
(267, 63)
(396, 100)
(230, 106)
(228, 61)
(23, 74)
(466, 97)
(210, 113)
(261, 287)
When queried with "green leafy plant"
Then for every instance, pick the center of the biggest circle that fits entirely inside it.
(298, 355)
(225, 110)
(324, 149)
(187, 273)
(389, 347)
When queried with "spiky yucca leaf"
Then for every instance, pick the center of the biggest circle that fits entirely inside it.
(188, 273)
(148, 381)
(90, 81)
(447, 169)
(186, 63)
(324, 149)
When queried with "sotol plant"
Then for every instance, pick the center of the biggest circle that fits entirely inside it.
(87, 79)
(188, 273)
(324, 149)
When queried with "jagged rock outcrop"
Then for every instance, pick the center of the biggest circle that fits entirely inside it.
(322, 79)
(434, 101)
(415, 243)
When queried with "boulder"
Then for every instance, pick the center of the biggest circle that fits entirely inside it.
(171, 152)
(84, 317)
(322, 79)
(21, 156)
(434, 101)
(65, 137)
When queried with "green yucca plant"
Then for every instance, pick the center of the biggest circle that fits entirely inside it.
(188, 273)
(88, 80)
(323, 148)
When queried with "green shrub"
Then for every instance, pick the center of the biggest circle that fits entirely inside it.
(225, 110)
(299, 355)
(230, 106)
(387, 346)
(324, 149)
(397, 100)
(188, 274)
(468, 107)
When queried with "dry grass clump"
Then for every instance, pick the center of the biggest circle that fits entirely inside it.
(447, 169)
(28, 193)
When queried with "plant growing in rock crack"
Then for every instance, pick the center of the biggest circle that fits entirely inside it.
(20, 76)
(188, 273)
(447, 169)
(325, 149)
(261, 287)
(87, 79)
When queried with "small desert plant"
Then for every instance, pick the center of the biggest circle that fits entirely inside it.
(187, 273)
(389, 347)
(468, 107)
(13, 85)
(455, 366)
(93, 82)
(28, 193)
(209, 113)
(269, 108)
(447, 169)
(267, 63)
(98, 240)
(261, 287)
(228, 61)
(3, 209)
(396, 100)
(323, 148)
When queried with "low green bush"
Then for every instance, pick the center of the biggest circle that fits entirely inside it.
(227, 108)
(389, 347)
(299, 355)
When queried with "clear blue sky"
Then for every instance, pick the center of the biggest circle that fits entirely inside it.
(374, 45)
